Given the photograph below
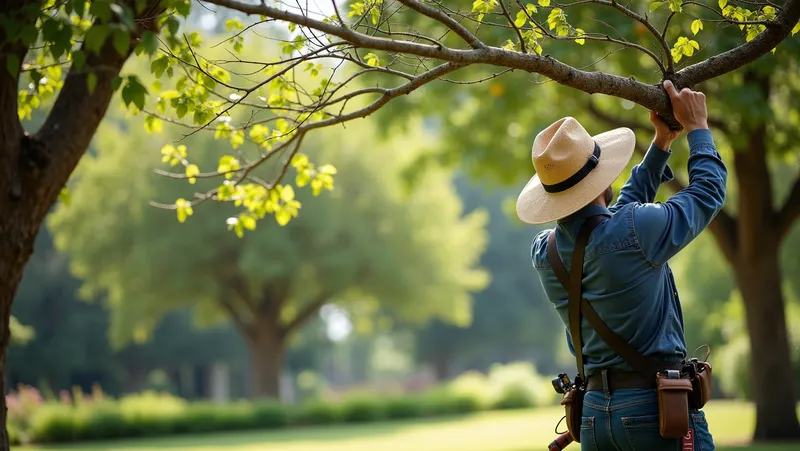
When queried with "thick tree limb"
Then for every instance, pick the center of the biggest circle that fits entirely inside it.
(305, 313)
(790, 211)
(649, 96)
(77, 112)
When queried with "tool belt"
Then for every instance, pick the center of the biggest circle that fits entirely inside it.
(678, 385)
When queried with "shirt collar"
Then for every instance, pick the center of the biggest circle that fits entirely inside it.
(585, 212)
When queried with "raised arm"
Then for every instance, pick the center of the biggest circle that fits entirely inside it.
(664, 229)
(646, 176)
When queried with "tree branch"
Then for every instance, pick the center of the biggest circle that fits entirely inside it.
(649, 96)
(448, 21)
(77, 112)
(245, 328)
(790, 211)
(744, 54)
(305, 314)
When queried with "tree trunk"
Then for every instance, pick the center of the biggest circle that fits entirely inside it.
(441, 366)
(266, 355)
(13, 256)
(771, 376)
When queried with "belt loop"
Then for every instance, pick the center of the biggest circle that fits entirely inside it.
(606, 388)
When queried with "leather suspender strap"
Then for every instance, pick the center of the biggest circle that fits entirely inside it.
(578, 305)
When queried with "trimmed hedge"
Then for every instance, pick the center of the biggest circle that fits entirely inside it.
(152, 414)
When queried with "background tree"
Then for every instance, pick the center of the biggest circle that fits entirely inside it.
(512, 319)
(371, 243)
(39, 39)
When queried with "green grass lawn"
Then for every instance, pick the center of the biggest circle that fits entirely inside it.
(731, 424)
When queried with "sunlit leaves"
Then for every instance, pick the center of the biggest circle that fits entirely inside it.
(483, 7)
(183, 209)
(153, 124)
(655, 5)
(173, 155)
(675, 6)
(796, 29)
(521, 19)
(723, 3)
(544, 3)
(192, 170)
(307, 174)
(684, 47)
(579, 32)
(558, 20)
(233, 24)
(697, 25)
(228, 165)
(372, 59)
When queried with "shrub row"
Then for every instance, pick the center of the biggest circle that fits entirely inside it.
(152, 414)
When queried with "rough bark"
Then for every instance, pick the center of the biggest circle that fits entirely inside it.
(267, 355)
(758, 277)
(35, 167)
(771, 376)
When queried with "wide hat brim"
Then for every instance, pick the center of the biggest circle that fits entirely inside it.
(537, 206)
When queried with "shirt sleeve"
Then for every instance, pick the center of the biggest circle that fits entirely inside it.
(664, 229)
(645, 178)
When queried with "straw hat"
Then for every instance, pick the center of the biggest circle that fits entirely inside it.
(572, 169)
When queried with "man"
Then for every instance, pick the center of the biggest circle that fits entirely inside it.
(626, 278)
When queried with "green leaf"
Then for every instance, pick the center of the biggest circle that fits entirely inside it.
(521, 19)
(95, 38)
(531, 9)
(192, 171)
(697, 25)
(282, 217)
(184, 209)
(12, 65)
(796, 29)
(116, 82)
(722, 4)
(655, 5)
(580, 32)
(544, 3)
(159, 65)
(91, 81)
(78, 59)
(153, 124)
(149, 42)
(28, 34)
(372, 59)
(64, 196)
(233, 24)
(675, 6)
(227, 165)
(122, 41)
(247, 221)
(134, 92)
(101, 9)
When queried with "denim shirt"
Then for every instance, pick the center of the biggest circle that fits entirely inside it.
(626, 275)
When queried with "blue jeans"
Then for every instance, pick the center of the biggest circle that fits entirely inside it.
(627, 420)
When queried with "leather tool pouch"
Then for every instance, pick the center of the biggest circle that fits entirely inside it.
(573, 411)
(673, 405)
(702, 386)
